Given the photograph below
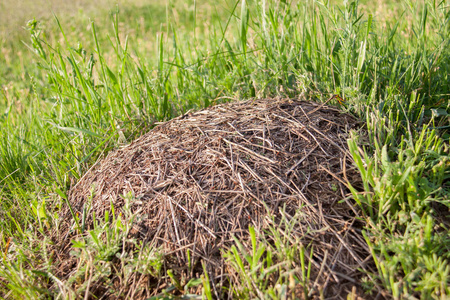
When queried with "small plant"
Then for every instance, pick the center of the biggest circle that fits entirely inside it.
(272, 266)
(106, 254)
(404, 235)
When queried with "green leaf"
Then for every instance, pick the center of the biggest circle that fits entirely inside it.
(61, 193)
(439, 112)
(193, 283)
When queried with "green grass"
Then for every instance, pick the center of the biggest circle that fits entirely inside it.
(75, 89)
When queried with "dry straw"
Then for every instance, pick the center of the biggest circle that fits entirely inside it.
(204, 177)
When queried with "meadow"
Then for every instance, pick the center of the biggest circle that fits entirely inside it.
(80, 80)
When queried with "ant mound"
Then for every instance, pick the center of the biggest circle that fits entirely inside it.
(214, 187)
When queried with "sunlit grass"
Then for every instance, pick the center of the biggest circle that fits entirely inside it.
(73, 89)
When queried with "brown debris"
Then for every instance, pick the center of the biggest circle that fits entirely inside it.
(205, 177)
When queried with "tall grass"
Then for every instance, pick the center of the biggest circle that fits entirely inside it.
(70, 99)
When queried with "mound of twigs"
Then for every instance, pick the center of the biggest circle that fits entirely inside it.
(205, 177)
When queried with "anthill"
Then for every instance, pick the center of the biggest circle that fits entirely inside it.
(203, 178)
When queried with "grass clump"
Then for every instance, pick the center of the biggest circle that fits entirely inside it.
(72, 95)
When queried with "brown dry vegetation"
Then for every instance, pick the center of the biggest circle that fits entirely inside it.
(203, 178)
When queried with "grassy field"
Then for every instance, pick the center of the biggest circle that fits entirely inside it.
(94, 76)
